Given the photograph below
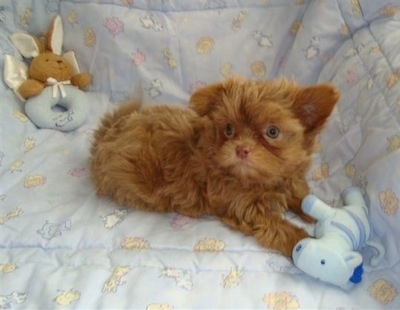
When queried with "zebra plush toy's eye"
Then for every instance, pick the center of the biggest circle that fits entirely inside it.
(229, 131)
(272, 132)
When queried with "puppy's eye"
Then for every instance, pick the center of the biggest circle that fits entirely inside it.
(272, 132)
(229, 131)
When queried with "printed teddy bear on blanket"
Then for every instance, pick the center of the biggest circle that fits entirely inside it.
(331, 256)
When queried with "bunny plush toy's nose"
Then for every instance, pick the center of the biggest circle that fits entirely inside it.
(59, 61)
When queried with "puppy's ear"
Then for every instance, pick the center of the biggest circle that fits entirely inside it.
(313, 105)
(206, 98)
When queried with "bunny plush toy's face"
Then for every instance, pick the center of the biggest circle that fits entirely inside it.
(50, 65)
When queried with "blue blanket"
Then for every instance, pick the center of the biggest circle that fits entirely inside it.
(63, 247)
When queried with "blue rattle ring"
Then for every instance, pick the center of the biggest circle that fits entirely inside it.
(59, 106)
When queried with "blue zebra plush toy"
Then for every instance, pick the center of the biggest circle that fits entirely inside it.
(339, 233)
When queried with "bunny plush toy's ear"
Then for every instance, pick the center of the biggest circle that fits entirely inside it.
(15, 73)
(29, 46)
(54, 37)
(70, 57)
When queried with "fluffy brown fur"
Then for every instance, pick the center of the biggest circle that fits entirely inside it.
(239, 152)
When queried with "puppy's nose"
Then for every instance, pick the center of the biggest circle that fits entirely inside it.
(59, 61)
(242, 152)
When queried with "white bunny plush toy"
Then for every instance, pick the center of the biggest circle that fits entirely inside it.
(52, 84)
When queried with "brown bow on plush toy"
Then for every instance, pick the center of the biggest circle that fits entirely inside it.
(48, 66)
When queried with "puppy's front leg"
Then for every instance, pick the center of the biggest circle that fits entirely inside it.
(299, 189)
(271, 231)
(278, 234)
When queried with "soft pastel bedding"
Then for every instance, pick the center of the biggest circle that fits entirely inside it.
(64, 247)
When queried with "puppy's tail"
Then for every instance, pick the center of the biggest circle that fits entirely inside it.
(125, 109)
(111, 122)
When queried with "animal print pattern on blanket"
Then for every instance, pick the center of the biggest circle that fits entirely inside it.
(84, 253)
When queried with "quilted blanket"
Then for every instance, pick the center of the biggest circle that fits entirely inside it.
(64, 247)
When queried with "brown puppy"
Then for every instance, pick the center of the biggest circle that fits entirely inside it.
(240, 153)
